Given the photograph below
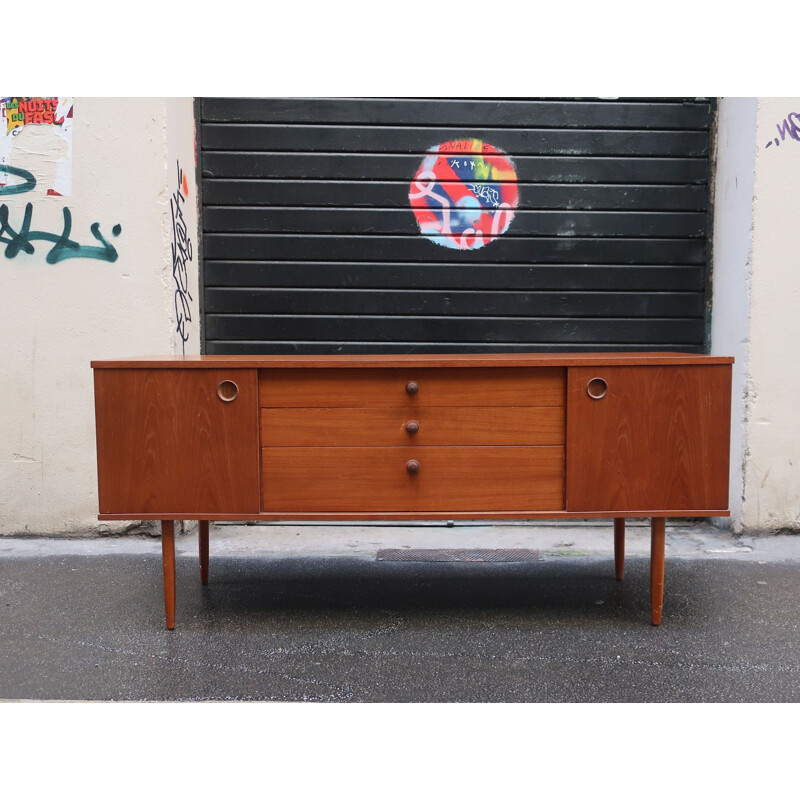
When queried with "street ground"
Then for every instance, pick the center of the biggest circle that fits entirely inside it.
(309, 612)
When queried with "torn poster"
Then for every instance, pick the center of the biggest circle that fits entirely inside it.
(36, 144)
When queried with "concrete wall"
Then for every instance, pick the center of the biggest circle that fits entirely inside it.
(756, 300)
(772, 446)
(732, 268)
(57, 317)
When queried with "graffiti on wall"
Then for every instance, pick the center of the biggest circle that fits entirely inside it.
(464, 194)
(181, 258)
(52, 114)
(20, 239)
(788, 126)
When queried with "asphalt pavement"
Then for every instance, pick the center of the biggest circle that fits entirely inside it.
(311, 613)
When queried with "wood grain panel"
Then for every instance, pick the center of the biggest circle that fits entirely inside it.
(386, 427)
(448, 361)
(301, 388)
(166, 443)
(659, 439)
(322, 516)
(373, 479)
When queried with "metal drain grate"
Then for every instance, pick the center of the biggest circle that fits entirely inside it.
(473, 556)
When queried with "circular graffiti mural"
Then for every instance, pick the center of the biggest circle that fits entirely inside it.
(464, 194)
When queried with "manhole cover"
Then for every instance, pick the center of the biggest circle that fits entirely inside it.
(476, 556)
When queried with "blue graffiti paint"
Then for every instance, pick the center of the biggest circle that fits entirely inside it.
(17, 188)
(63, 246)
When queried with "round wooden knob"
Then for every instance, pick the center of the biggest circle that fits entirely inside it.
(596, 388)
(412, 467)
(227, 391)
(412, 426)
(412, 387)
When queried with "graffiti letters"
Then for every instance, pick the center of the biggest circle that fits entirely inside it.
(487, 193)
(32, 110)
(456, 163)
(64, 247)
(789, 126)
(181, 257)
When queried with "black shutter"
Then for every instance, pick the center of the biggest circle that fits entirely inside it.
(309, 243)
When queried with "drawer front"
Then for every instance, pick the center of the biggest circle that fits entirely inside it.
(365, 388)
(394, 427)
(373, 479)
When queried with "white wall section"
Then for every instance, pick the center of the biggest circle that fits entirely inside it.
(732, 268)
(772, 447)
(94, 301)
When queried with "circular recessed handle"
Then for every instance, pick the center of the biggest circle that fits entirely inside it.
(412, 387)
(596, 388)
(227, 391)
(412, 426)
(412, 467)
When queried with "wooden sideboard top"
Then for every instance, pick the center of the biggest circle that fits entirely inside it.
(415, 360)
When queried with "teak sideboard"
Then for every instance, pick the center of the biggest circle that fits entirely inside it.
(508, 436)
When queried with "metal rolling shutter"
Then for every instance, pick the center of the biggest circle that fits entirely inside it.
(309, 244)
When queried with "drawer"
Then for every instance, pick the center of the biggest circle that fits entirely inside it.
(365, 388)
(372, 479)
(387, 427)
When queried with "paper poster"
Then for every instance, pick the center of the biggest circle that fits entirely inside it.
(52, 116)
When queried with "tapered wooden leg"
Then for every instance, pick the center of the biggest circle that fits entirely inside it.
(619, 547)
(658, 527)
(168, 557)
(203, 536)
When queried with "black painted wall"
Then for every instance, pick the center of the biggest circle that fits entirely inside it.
(309, 244)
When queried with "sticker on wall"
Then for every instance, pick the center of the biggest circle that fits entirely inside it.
(50, 148)
(464, 194)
